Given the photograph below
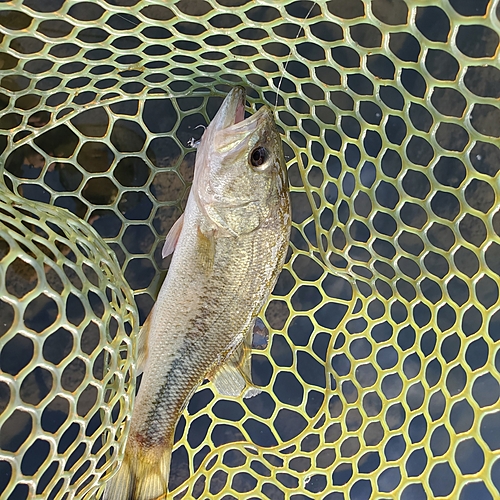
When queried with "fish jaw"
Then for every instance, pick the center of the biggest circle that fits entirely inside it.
(232, 111)
(229, 128)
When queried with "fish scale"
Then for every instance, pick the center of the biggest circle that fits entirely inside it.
(228, 249)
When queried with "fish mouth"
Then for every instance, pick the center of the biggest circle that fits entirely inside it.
(239, 114)
(232, 112)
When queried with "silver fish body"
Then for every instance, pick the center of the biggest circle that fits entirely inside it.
(230, 246)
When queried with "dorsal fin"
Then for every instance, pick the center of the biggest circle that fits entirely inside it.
(172, 237)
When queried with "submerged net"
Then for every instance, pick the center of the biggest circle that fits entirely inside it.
(381, 377)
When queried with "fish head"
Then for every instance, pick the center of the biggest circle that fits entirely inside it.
(240, 179)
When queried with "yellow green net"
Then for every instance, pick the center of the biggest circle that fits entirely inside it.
(381, 377)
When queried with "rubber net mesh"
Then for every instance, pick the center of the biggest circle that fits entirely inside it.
(381, 376)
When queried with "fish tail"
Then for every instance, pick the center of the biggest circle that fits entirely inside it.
(143, 475)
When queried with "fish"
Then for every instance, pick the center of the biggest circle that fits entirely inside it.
(228, 248)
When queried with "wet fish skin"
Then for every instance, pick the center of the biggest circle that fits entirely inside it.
(229, 249)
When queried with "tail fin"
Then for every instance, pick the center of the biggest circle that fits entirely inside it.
(143, 475)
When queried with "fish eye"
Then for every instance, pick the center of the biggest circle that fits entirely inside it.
(259, 156)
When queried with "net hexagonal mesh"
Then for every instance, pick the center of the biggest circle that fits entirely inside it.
(381, 377)
(67, 373)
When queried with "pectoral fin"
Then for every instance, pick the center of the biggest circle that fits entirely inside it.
(206, 250)
(172, 237)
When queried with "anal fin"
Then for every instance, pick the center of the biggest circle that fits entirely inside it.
(228, 379)
(234, 376)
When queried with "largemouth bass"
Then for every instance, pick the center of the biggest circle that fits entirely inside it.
(228, 249)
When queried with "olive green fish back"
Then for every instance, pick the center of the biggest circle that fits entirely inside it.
(381, 377)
